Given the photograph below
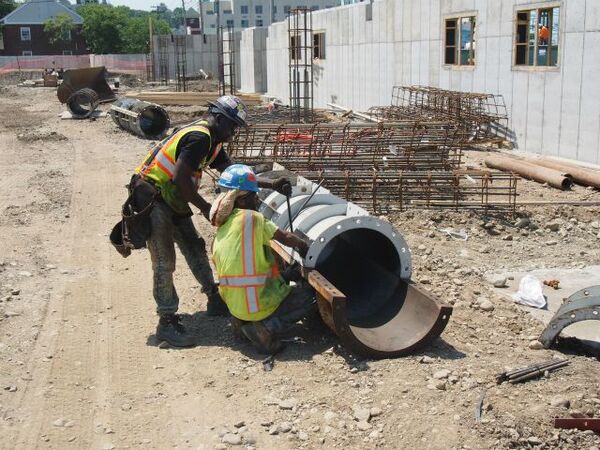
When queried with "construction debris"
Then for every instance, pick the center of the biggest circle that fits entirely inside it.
(582, 305)
(530, 372)
(579, 423)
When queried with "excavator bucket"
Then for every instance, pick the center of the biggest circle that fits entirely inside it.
(91, 77)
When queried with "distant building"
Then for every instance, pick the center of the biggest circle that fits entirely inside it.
(255, 13)
(23, 30)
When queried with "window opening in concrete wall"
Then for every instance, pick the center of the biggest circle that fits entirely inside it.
(244, 23)
(460, 41)
(227, 11)
(294, 47)
(319, 45)
(259, 22)
(229, 23)
(274, 9)
(25, 33)
(536, 38)
(27, 53)
(258, 9)
(287, 9)
(244, 9)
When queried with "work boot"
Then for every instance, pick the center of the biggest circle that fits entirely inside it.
(236, 328)
(262, 339)
(171, 330)
(216, 306)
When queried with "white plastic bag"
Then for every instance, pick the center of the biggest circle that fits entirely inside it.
(530, 292)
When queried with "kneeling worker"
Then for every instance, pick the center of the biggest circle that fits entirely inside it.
(260, 300)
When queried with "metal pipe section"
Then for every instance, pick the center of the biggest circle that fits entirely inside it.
(83, 103)
(580, 175)
(552, 177)
(146, 120)
(380, 312)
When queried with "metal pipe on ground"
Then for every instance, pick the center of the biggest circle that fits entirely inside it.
(146, 120)
(89, 77)
(552, 177)
(361, 268)
(83, 103)
(580, 175)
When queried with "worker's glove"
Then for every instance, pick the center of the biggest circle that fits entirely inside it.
(283, 186)
(292, 273)
(302, 249)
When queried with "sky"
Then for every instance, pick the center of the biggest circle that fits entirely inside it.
(147, 4)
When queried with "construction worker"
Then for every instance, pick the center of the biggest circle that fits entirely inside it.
(174, 168)
(543, 35)
(259, 298)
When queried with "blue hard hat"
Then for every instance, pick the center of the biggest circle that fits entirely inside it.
(231, 107)
(239, 176)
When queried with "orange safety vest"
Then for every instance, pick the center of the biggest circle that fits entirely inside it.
(159, 165)
(249, 279)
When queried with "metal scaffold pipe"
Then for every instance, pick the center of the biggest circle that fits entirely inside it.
(361, 268)
(147, 120)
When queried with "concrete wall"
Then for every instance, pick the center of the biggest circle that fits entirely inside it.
(554, 111)
(200, 55)
(253, 60)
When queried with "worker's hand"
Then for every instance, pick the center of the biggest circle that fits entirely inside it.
(292, 273)
(283, 186)
(302, 248)
(205, 210)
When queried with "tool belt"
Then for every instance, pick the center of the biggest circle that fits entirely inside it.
(135, 227)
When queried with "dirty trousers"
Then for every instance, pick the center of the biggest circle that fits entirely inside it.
(166, 231)
(299, 303)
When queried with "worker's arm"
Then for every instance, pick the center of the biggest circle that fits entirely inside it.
(291, 240)
(281, 185)
(182, 178)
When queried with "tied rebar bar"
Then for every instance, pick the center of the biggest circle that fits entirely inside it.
(384, 192)
(180, 42)
(483, 116)
(300, 67)
(163, 59)
(226, 60)
(406, 145)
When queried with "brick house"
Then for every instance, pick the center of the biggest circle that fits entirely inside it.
(22, 31)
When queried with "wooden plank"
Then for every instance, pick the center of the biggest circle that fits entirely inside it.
(324, 287)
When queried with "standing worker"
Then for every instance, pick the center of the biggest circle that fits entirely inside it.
(173, 169)
(259, 298)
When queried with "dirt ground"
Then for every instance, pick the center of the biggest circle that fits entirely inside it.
(80, 368)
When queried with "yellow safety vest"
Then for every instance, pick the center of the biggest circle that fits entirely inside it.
(249, 280)
(159, 166)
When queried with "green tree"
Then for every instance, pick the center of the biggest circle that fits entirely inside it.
(103, 26)
(58, 28)
(136, 35)
(6, 7)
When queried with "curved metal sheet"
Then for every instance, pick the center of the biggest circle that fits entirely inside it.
(582, 305)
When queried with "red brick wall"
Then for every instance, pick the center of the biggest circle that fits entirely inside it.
(39, 45)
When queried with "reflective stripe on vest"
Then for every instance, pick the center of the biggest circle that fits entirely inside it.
(248, 261)
(161, 168)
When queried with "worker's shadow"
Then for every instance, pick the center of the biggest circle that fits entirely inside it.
(305, 340)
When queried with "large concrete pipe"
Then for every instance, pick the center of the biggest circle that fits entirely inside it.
(83, 103)
(361, 268)
(147, 120)
(554, 178)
